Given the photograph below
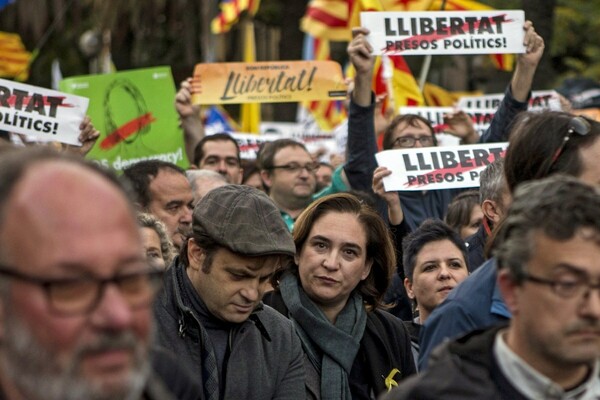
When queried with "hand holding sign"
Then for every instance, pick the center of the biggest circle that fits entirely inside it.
(460, 124)
(392, 199)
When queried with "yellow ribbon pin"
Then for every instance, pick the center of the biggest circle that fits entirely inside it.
(389, 380)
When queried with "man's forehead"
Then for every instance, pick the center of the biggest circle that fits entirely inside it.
(295, 151)
(219, 147)
(415, 127)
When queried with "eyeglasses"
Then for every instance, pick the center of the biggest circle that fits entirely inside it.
(410, 141)
(77, 296)
(295, 167)
(578, 125)
(567, 289)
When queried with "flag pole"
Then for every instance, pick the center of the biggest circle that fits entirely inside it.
(427, 61)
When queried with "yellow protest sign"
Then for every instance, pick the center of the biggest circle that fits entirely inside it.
(267, 82)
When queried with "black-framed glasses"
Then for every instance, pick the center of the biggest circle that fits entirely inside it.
(567, 289)
(76, 296)
(296, 167)
(410, 141)
(578, 125)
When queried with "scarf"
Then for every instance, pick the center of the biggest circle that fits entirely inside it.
(330, 348)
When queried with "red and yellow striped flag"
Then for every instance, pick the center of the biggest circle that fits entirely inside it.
(230, 13)
(334, 19)
(503, 62)
(14, 58)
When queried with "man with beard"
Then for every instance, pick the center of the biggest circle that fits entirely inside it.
(547, 250)
(162, 189)
(75, 289)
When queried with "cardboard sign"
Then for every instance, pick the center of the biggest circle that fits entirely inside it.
(481, 118)
(438, 167)
(450, 32)
(267, 82)
(540, 100)
(41, 113)
(133, 110)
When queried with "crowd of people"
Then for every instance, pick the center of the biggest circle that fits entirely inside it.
(292, 278)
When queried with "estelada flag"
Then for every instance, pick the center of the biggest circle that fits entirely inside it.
(14, 58)
(230, 13)
(405, 5)
(334, 19)
(503, 62)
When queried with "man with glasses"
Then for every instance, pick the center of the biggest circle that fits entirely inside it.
(541, 144)
(548, 249)
(75, 288)
(412, 131)
(289, 173)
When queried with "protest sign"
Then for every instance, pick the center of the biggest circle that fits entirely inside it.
(481, 118)
(540, 100)
(250, 143)
(450, 32)
(267, 82)
(42, 113)
(133, 110)
(431, 168)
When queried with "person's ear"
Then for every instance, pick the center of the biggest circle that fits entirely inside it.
(491, 211)
(266, 178)
(409, 289)
(510, 290)
(196, 255)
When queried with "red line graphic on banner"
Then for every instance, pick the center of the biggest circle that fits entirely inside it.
(126, 130)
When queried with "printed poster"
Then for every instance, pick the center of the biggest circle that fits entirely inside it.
(42, 113)
(432, 168)
(267, 82)
(134, 112)
(445, 32)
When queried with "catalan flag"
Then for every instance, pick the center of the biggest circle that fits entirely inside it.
(14, 58)
(405, 90)
(334, 19)
(503, 62)
(327, 114)
(406, 5)
(230, 13)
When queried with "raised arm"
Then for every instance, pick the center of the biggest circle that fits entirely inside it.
(189, 117)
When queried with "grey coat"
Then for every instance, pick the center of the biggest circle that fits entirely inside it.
(265, 355)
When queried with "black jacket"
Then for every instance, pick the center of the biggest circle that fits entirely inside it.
(385, 345)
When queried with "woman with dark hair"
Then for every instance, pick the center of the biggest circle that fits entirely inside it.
(333, 292)
(464, 213)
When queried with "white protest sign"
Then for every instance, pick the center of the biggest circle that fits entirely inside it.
(449, 32)
(40, 112)
(250, 143)
(540, 100)
(438, 167)
(481, 118)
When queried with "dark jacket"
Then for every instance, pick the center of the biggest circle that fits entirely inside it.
(265, 359)
(476, 248)
(417, 206)
(463, 369)
(385, 345)
(475, 303)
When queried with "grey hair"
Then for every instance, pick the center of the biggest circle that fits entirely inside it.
(558, 207)
(492, 182)
(167, 249)
(205, 174)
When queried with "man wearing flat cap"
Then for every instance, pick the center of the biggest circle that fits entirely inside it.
(210, 313)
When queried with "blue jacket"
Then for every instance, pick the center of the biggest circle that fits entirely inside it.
(474, 304)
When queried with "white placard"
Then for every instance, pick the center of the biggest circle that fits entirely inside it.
(438, 167)
(540, 100)
(481, 118)
(43, 113)
(445, 32)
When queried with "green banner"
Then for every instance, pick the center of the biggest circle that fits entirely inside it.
(134, 112)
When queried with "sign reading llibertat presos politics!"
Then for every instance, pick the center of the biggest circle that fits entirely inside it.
(43, 113)
(133, 110)
(429, 168)
(267, 82)
(445, 32)
(540, 100)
